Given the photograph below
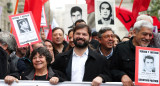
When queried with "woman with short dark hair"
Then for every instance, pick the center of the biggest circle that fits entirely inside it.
(41, 70)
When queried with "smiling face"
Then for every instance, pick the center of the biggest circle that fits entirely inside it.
(143, 37)
(39, 62)
(107, 39)
(71, 43)
(81, 38)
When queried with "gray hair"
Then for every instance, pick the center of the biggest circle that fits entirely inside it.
(9, 39)
(144, 17)
(103, 30)
(142, 23)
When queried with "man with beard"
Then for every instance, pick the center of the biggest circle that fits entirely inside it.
(81, 63)
(14, 57)
(123, 60)
(106, 13)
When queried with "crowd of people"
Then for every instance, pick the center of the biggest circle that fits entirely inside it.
(96, 57)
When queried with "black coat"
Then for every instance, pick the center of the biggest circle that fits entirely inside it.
(109, 60)
(4, 65)
(96, 65)
(29, 75)
(123, 61)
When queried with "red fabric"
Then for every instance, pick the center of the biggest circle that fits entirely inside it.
(49, 37)
(138, 6)
(35, 6)
(90, 6)
(156, 22)
(44, 1)
(126, 17)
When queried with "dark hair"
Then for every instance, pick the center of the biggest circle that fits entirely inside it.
(110, 8)
(148, 57)
(42, 52)
(74, 9)
(103, 30)
(95, 33)
(56, 28)
(117, 37)
(70, 31)
(79, 21)
(80, 26)
(54, 50)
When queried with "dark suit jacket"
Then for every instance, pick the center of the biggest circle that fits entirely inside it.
(96, 65)
(109, 60)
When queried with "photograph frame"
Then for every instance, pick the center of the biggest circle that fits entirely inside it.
(147, 76)
(24, 39)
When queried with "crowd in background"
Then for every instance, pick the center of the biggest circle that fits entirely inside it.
(96, 57)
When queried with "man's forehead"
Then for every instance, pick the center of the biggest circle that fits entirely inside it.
(76, 12)
(143, 29)
(58, 31)
(80, 30)
(105, 5)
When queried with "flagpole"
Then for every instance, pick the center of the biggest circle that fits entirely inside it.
(119, 7)
(15, 12)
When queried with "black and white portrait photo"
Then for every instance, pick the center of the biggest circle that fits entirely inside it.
(104, 13)
(24, 29)
(105, 10)
(23, 25)
(74, 12)
(147, 70)
(148, 64)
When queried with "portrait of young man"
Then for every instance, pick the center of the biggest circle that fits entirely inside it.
(23, 25)
(76, 14)
(106, 13)
(148, 64)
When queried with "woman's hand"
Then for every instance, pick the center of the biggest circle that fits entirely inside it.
(9, 79)
(54, 80)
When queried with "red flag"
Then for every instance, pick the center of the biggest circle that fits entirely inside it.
(138, 6)
(156, 22)
(35, 6)
(44, 1)
(49, 37)
(90, 6)
(126, 17)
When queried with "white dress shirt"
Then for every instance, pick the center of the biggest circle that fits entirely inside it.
(78, 66)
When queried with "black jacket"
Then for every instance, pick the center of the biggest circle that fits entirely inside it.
(29, 75)
(123, 61)
(4, 65)
(96, 65)
(109, 60)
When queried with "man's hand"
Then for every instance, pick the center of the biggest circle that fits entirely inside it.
(126, 81)
(97, 81)
(9, 79)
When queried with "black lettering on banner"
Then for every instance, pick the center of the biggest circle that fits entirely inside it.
(126, 21)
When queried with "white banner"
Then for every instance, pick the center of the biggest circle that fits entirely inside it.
(46, 83)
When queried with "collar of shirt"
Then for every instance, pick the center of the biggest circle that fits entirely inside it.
(85, 53)
(108, 55)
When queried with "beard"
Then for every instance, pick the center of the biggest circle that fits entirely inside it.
(81, 45)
